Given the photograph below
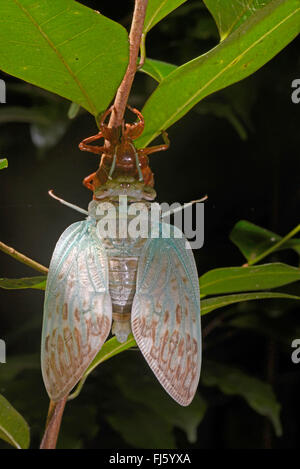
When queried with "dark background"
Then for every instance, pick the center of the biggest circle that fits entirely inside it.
(239, 146)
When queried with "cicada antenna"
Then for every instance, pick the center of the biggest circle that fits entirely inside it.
(178, 209)
(68, 204)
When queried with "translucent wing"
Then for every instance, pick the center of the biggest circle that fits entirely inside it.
(77, 309)
(166, 314)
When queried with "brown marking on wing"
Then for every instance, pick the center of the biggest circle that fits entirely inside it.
(52, 342)
(153, 330)
(166, 316)
(68, 338)
(47, 343)
(78, 341)
(57, 374)
(174, 286)
(77, 314)
(154, 352)
(100, 323)
(47, 368)
(61, 355)
(181, 348)
(178, 315)
(163, 342)
(195, 347)
(65, 312)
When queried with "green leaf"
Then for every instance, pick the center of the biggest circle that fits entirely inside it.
(252, 240)
(259, 39)
(157, 69)
(241, 279)
(3, 163)
(146, 391)
(230, 15)
(64, 47)
(259, 395)
(38, 282)
(157, 10)
(13, 428)
(217, 302)
(111, 348)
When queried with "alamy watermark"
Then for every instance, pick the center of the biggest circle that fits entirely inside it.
(296, 353)
(296, 93)
(2, 351)
(140, 220)
(2, 92)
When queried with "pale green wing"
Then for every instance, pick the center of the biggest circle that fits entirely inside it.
(77, 309)
(166, 313)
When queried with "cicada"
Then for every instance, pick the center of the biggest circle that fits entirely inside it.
(148, 286)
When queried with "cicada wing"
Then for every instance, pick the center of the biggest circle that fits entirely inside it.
(166, 314)
(77, 308)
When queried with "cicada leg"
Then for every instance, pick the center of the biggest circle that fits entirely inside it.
(155, 148)
(88, 181)
(104, 116)
(93, 149)
(135, 130)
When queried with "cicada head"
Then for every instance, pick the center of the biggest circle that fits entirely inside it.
(134, 189)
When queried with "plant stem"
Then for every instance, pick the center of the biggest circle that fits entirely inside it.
(275, 246)
(55, 413)
(22, 258)
(134, 44)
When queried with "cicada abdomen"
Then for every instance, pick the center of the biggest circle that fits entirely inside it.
(101, 282)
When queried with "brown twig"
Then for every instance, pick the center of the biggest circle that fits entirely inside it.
(55, 413)
(22, 258)
(134, 44)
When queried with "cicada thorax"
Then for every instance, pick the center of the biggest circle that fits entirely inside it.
(125, 161)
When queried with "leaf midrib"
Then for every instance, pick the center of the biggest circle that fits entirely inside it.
(59, 55)
(10, 437)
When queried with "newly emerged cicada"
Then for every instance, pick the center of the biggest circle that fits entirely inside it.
(147, 285)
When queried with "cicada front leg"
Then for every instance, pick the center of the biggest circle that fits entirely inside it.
(92, 148)
(88, 181)
(155, 148)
